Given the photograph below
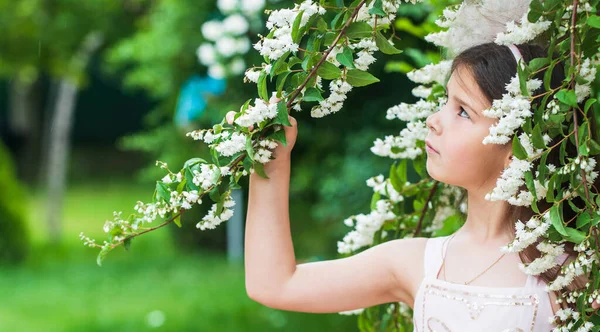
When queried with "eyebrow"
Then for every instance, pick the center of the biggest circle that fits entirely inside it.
(462, 101)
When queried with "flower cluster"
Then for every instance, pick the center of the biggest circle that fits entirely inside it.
(365, 228)
(523, 32)
(227, 39)
(404, 145)
(280, 22)
(528, 233)
(512, 110)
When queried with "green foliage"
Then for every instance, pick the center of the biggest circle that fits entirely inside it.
(14, 234)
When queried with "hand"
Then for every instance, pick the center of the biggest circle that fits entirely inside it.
(595, 304)
(290, 132)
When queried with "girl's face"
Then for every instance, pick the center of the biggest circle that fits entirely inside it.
(456, 132)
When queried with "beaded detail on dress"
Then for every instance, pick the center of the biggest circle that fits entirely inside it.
(442, 306)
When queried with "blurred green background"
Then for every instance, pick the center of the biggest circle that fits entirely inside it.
(89, 94)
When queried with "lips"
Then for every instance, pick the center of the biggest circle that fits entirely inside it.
(431, 147)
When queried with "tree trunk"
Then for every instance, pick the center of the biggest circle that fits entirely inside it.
(60, 131)
(24, 126)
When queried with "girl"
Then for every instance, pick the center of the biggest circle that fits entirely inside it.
(453, 283)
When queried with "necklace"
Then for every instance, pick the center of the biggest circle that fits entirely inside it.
(470, 281)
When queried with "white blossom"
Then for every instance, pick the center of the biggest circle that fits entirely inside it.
(404, 145)
(366, 227)
(206, 177)
(512, 110)
(511, 180)
(252, 7)
(235, 144)
(588, 73)
(334, 102)
(212, 30)
(281, 22)
(206, 54)
(227, 6)
(385, 188)
(226, 46)
(259, 112)
(545, 262)
(421, 91)
(410, 112)
(212, 220)
(431, 73)
(528, 233)
(235, 25)
(523, 32)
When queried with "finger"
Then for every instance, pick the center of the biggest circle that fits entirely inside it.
(292, 121)
(595, 304)
(229, 117)
(250, 127)
(274, 99)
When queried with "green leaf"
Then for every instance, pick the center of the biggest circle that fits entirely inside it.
(575, 235)
(395, 179)
(282, 114)
(163, 190)
(543, 168)
(402, 171)
(215, 194)
(529, 181)
(346, 58)
(260, 170)
(384, 45)
(334, 22)
(249, 148)
(376, 197)
(321, 24)
(177, 220)
(279, 136)
(583, 219)
(127, 243)
(189, 179)
(281, 82)
(359, 30)
(595, 147)
(556, 219)
(194, 161)
(280, 65)
(522, 80)
(537, 64)
(589, 104)
(377, 8)
(101, 255)
(312, 94)
(536, 11)
(296, 26)
(357, 78)
(567, 97)
(518, 149)
(262, 86)
(220, 204)
(537, 138)
(329, 71)
(594, 21)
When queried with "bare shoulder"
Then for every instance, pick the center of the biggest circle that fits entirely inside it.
(407, 266)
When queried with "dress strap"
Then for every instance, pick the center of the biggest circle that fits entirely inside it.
(434, 252)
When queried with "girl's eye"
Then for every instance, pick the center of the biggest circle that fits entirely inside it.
(463, 110)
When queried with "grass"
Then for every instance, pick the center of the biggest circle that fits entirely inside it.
(154, 287)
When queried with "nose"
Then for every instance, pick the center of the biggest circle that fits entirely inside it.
(432, 122)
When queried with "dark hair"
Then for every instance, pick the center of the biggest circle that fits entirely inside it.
(492, 67)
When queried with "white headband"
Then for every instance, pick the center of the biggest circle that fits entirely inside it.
(515, 51)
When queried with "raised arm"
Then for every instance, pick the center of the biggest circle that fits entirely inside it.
(382, 274)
